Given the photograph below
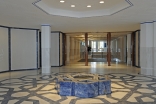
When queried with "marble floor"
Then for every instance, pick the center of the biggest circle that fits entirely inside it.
(29, 87)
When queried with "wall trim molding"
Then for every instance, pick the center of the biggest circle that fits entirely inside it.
(147, 22)
(18, 28)
(4, 26)
(57, 66)
(46, 25)
(57, 32)
(18, 70)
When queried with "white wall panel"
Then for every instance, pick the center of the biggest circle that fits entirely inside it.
(61, 55)
(55, 49)
(23, 49)
(4, 63)
(38, 50)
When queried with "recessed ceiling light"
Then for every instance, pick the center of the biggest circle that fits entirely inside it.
(89, 6)
(101, 2)
(62, 1)
(72, 5)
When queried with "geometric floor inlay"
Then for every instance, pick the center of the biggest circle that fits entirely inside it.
(31, 89)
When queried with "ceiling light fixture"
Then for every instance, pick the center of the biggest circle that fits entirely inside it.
(89, 6)
(72, 5)
(62, 1)
(101, 2)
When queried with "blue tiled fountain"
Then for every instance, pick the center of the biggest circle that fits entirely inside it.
(83, 85)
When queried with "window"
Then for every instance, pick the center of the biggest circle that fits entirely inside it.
(101, 45)
(93, 46)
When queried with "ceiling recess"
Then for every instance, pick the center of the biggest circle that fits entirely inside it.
(95, 8)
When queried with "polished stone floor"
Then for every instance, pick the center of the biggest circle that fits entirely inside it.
(29, 87)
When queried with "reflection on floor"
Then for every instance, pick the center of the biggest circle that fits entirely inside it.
(96, 60)
(29, 87)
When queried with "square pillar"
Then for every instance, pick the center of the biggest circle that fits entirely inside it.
(154, 61)
(46, 45)
(146, 48)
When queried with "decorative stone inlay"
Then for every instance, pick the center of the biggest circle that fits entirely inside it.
(147, 99)
(145, 90)
(83, 85)
(19, 94)
(39, 96)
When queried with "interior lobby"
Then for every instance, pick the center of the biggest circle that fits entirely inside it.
(41, 40)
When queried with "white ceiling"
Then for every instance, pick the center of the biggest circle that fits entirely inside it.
(22, 13)
(81, 5)
(54, 7)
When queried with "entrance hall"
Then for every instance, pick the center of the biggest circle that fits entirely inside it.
(80, 42)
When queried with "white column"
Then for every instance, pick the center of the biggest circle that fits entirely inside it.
(68, 48)
(154, 49)
(46, 45)
(129, 49)
(146, 49)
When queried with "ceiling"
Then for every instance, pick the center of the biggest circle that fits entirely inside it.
(22, 13)
(81, 9)
(81, 5)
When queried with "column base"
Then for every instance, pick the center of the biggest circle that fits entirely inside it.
(129, 61)
(154, 73)
(46, 71)
(147, 71)
(154, 61)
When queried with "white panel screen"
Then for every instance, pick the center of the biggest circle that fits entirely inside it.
(55, 49)
(23, 49)
(4, 63)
